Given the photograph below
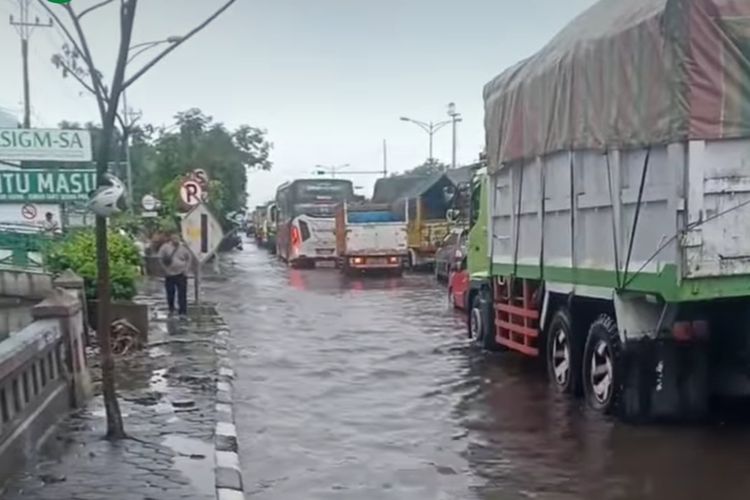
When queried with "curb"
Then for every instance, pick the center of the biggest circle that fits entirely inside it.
(229, 484)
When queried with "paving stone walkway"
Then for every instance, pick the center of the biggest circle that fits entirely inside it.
(168, 400)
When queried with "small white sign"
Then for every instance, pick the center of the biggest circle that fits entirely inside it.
(191, 193)
(17, 144)
(202, 232)
(149, 203)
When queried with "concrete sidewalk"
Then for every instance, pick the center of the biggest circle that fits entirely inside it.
(168, 399)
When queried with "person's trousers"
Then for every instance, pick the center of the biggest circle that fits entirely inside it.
(176, 287)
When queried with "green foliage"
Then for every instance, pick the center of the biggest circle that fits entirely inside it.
(77, 251)
(429, 167)
(161, 158)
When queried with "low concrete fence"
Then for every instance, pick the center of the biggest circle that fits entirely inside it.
(43, 374)
(25, 284)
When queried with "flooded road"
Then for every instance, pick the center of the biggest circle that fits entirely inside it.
(369, 389)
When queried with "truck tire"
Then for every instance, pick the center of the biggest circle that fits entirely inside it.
(564, 352)
(481, 329)
(602, 366)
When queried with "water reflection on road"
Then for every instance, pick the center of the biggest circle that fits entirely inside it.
(368, 389)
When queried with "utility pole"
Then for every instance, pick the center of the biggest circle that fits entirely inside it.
(385, 159)
(24, 27)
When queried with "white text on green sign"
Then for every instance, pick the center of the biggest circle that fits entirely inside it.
(46, 185)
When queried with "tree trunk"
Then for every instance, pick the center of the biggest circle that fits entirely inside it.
(115, 427)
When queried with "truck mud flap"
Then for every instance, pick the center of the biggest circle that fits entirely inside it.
(665, 380)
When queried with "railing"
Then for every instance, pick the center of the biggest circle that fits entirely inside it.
(32, 371)
(42, 375)
(21, 247)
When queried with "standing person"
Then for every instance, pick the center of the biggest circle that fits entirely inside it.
(175, 259)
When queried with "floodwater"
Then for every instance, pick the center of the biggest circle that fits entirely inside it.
(369, 389)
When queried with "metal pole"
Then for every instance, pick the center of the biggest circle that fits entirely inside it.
(197, 283)
(126, 134)
(26, 92)
(385, 158)
(455, 121)
(431, 133)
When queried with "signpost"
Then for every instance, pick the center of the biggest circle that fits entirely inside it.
(17, 144)
(202, 234)
(201, 177)
(46, 185)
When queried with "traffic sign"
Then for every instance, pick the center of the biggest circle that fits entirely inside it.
(149, 203)
(191, 193)
(201, 177)
(29, 211)
(202, 232)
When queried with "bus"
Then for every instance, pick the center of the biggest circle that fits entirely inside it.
(306, 220)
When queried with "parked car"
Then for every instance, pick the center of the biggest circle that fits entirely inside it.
(452, 250)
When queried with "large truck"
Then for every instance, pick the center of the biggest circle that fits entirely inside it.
(370, 238)
(269, 227)
(610, 233)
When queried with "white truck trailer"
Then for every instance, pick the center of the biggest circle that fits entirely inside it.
(371, 238)
(612, 236)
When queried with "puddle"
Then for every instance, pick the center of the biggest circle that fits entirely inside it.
(200, 471)
(158, 381)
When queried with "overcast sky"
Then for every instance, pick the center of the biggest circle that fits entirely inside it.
(328, 79)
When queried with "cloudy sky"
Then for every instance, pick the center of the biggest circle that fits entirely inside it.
(328, 79)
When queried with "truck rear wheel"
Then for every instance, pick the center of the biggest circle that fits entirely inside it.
(564, 352)
(602, 366)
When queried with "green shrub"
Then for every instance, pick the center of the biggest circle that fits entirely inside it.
(77, 251)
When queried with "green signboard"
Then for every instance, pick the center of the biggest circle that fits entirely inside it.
(17, 144)
(46, 185)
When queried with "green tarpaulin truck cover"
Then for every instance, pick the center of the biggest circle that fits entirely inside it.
(627, 74)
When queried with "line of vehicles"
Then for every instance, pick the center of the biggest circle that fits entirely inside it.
(607, 234)
(315, 221)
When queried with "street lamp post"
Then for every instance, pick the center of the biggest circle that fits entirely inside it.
(143, 47)
(455, 118)
(430, 127)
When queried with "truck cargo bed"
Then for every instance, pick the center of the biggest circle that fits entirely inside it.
(670, 220)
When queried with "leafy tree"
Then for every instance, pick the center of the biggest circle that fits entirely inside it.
(76, 61)
(199, 142)
(429, 167)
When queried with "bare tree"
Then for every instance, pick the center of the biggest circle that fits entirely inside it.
(77, 61)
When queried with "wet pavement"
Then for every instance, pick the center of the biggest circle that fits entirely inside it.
(368, 389)
(167, 397)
